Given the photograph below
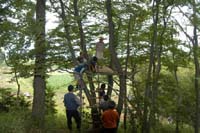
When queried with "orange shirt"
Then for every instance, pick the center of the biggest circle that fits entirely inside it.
(110, 118)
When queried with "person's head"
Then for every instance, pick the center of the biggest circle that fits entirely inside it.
(105, 97)
(82, 54)
(70, 88)
(103, 86)
(95, 58)
(111, 104)
(101, 39)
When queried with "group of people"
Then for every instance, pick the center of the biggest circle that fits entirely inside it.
(84, 64)
(109, 117)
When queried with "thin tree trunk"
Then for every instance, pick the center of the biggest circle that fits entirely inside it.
(149, 109)
(39, 84)
(126, 72)
(197, 69)
(17, 81)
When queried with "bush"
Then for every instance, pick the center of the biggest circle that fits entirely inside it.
(49, 101)
(9, 100)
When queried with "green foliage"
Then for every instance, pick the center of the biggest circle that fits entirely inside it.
(10, 101)
(50, 104)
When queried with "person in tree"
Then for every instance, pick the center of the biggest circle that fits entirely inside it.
(72, 103)
(110, 118)
(80, 68)
(81, 58)
(78, 71)
(92, 65)
(102, 92)
(100, 48)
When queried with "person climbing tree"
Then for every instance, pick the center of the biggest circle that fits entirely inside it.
(102, 92)
(92, 65)
(81, 58)
(100, 48)
(78, 71)
(110, 119)
(72, 103)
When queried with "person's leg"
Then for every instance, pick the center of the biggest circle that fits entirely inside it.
(69, 119)
(77, 118)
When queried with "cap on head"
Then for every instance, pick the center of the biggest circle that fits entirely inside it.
(70, 87)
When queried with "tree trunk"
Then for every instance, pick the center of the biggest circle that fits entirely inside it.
(150, 109)
(116, 63)
(17, 81)
(39, 84)
(91, 95)
(126, 72)
(197, 70)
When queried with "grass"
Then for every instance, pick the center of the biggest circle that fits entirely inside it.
(13, 122)
(16, 121)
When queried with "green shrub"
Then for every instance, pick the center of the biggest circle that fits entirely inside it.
(50, 104)
(9, 100)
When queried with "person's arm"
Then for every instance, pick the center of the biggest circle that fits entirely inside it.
(77, 100)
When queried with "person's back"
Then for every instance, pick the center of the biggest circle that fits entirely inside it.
(71, 103)
(104, 104)
(100, 48)
(110, 119)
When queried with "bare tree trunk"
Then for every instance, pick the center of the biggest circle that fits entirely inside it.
(39, 84)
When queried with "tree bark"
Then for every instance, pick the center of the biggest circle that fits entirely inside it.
(91, 95)
(116, 63)
(197, 69)
(39, 84)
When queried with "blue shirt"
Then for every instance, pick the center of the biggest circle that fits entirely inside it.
(80, 68)
(71, 101)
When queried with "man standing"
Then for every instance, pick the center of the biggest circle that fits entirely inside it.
(72, 103)
(100, 48)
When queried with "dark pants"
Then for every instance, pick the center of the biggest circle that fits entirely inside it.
(75, 114)
(109, 130)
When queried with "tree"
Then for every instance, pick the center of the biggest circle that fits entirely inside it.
(39, 84)
(193, 20)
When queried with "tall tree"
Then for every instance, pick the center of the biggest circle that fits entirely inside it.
(117, 65)
(149, 81)
(193, 19)
(39, 84)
